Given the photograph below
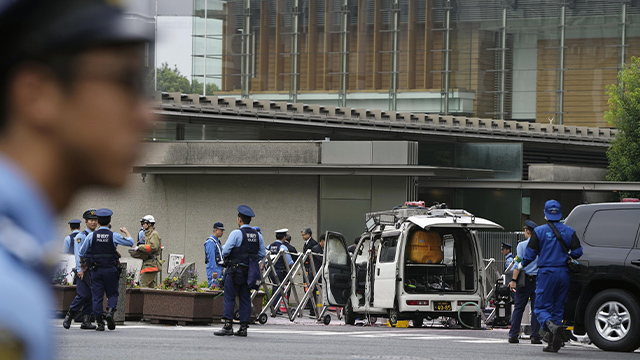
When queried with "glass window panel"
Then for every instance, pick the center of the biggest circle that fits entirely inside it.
(624, 221)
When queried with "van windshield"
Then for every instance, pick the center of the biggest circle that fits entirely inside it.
(440, 260)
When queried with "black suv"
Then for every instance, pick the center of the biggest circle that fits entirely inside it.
(604, 298)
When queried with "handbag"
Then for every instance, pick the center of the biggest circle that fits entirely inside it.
(572, 264)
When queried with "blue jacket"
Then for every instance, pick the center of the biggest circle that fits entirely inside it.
(543, 243)
(213, 254)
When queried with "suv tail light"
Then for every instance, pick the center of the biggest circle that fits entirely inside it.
(417, 302)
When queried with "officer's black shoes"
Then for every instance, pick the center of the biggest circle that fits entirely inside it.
(227, 329)
(513, 340)
(100, 323)
(68, 318)
(555, 338)
(111, 324)
(536, 340)
(552, 327)
(242, 331)
(86, 323)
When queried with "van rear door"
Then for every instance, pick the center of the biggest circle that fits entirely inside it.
(386, 271)
(336, 267)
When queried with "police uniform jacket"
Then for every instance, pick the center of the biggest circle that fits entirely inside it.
(152, 246)
(68, 247)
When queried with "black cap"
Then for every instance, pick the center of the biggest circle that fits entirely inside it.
(530, 225)
(40, 27)
(90, 214)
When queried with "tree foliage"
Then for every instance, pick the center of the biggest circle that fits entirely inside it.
(171, 80)
(624, 114)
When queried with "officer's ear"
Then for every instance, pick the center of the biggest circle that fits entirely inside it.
(36, 97)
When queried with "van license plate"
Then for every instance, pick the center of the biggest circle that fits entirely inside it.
(442, 305)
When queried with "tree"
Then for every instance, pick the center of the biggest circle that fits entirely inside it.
(171, 80)
(624, 114)
(196, 87)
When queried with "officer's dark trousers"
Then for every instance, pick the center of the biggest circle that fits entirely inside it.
(83, 297)
(237, 286)
(551, 293)
(104, 280)
(520, 302)
(280, 274)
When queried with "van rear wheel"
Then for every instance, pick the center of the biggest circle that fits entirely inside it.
(417, 322)
(393, 316)
(349, 316)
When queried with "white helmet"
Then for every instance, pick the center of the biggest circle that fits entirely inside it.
(148, 218)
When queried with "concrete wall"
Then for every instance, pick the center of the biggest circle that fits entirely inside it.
(186, 206)
(553, 172)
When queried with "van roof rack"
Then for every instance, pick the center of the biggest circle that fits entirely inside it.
(399, 214)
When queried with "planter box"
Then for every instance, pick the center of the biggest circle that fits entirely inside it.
(218, 304)
(181, 307)
(134, 304)
(63, 295)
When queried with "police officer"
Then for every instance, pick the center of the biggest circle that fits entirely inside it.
(99, 251)
(213, 254)
(526, 292)
(243, 245)
(508, 255)
(279, 267)
(74, 226)
(553, 275)
(152, 247)
(67, 68)
(257, 228)
(82, 301)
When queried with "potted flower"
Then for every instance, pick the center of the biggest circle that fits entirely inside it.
(134, 297)
(64, 292)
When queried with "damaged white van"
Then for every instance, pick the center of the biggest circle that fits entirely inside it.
(410, 264)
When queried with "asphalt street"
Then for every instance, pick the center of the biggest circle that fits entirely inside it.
(304, 339)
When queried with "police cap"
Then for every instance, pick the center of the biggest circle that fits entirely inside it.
(104, 212)
(218, 225)
(530, 225)
(246, 211)
(282, 231)
(506, 246)
(74, 221)
(257, 228)
(89, 214)
(41, 27)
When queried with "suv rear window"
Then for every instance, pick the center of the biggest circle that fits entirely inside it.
(623, 222)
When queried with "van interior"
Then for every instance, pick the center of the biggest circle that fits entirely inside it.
(439, 260)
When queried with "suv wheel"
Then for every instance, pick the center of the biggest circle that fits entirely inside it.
(612, 320)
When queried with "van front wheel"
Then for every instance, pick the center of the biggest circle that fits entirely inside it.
(349, 316)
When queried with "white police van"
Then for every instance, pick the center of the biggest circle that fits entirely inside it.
(410, 264)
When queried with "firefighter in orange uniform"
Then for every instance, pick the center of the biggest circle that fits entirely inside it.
(152, 246)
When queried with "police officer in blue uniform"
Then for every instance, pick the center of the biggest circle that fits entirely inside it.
(243, 245)
(74, 226)
(279, 267)
(526, 292)
(508, 255)
(99, 251)
(553, 275)
(82, 301)
(67, 67)
(213, 254)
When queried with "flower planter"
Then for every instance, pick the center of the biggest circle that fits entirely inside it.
(181, 307)
(218, 304)
(134, 304)
(64, 295)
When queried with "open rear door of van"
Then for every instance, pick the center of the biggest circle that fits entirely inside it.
(336, 275)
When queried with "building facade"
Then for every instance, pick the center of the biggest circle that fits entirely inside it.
(532, 60)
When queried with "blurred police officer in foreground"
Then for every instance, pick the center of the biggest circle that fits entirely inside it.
(99, 252)
(553, 275)
(67, 67)
(274, 248)
(213, 254)
(152, 247)
(243, 245)
(526, 292)
(69, 240)
(82, 301)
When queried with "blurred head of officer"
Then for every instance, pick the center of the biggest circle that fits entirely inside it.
(71, 93)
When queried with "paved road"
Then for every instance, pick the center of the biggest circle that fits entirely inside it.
(279, 339)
